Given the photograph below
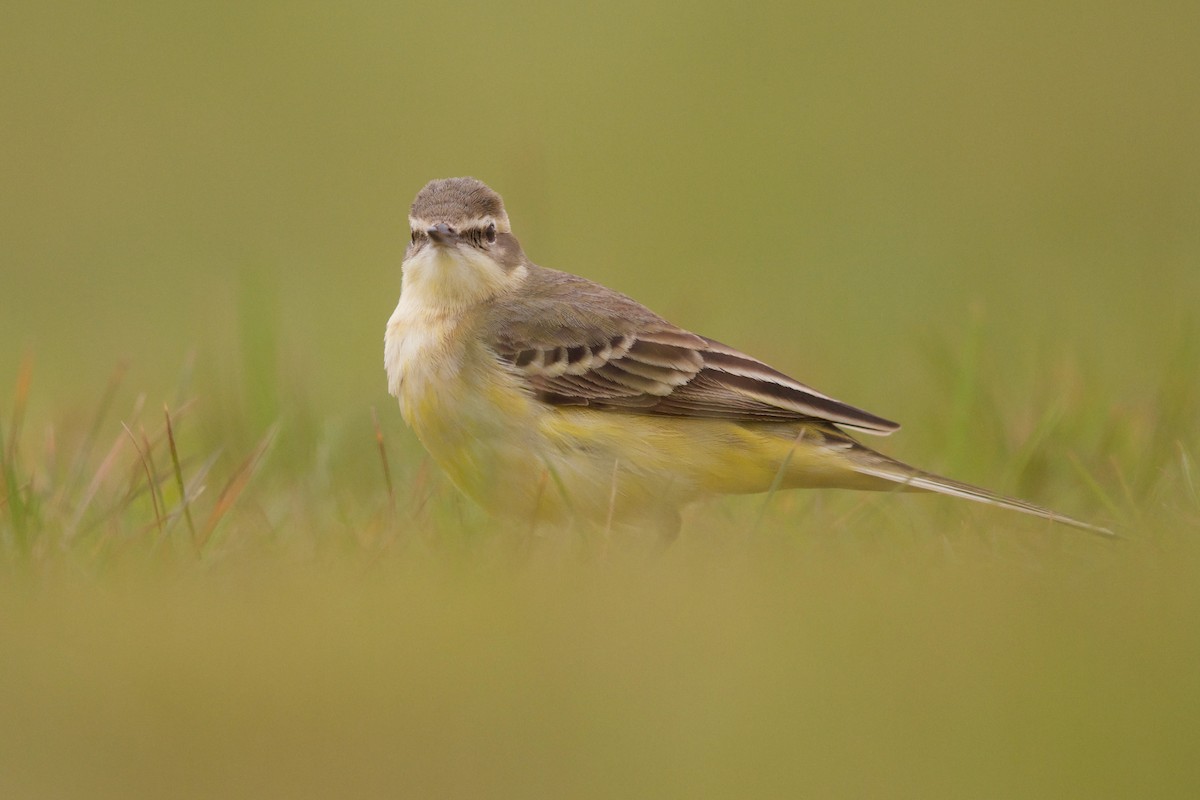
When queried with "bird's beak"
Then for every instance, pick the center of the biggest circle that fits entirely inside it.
(442, 234)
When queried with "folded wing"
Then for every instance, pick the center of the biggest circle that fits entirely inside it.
(614, 354)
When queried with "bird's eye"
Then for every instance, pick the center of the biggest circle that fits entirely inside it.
(490, 233)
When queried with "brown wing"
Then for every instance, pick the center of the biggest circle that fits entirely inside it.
(576, 343)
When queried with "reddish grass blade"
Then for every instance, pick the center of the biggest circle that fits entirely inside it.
(16, 501)
(83, 455)
(179, 482)
(149, 477)
(387, 472)
(235, 486)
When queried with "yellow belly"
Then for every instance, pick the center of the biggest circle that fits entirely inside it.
(520, 458)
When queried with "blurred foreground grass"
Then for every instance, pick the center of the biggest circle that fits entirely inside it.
(309, 633)
(780, 671)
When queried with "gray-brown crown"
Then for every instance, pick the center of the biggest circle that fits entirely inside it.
(457, 202)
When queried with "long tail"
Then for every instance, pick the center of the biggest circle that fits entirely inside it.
(880, 466)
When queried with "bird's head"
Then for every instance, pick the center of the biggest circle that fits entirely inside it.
(461, 249)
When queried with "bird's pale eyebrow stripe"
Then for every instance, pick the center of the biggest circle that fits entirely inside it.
(420, 224)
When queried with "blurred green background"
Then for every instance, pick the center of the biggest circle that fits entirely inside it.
(982, 220)
(819, 184)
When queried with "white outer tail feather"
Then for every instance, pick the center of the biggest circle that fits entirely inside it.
(911, 478)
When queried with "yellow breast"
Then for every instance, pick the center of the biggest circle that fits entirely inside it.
(469, 412)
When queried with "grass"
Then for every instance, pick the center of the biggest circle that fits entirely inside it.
(334, 619)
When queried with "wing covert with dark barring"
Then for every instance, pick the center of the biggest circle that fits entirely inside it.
(576, 343)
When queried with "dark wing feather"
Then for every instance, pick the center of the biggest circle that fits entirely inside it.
(577, 343)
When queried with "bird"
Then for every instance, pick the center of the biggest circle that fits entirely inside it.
(547, 397)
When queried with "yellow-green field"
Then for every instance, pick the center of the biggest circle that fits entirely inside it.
(983, 222)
